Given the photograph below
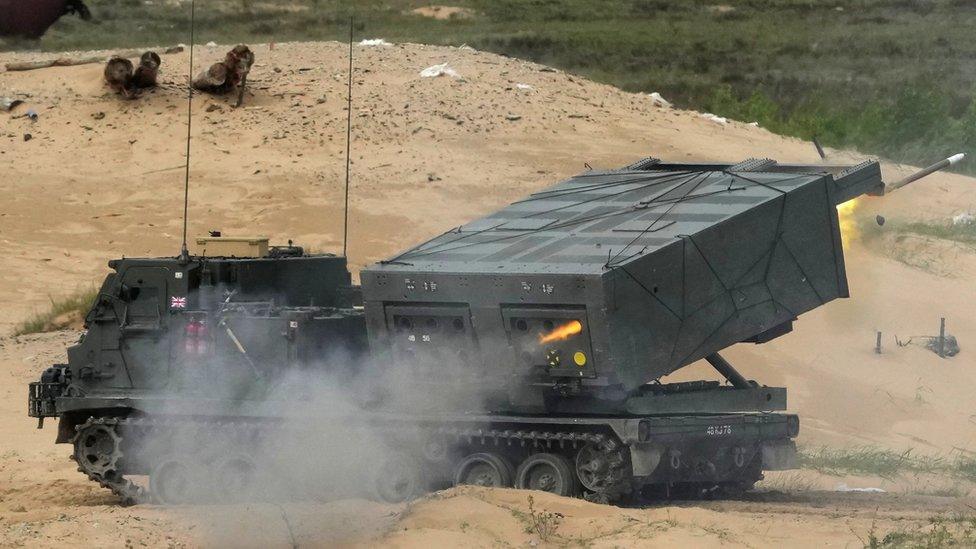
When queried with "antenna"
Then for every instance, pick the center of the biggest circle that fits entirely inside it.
(184, 253)
(345, 220)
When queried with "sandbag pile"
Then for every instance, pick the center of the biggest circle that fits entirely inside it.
(130, 81)
(228, 75)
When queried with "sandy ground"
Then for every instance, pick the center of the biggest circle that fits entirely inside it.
(100, 178)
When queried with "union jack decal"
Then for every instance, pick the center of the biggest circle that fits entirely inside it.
(177, 302)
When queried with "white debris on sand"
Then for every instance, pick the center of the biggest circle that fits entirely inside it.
(965, 218)
(720, 120)
(753, 124)
(372, 42)
(659, 101)
(443, 69)
(8, 103)
(525, 87)
(843, 487)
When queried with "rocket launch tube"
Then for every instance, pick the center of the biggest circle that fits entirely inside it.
(941, 165)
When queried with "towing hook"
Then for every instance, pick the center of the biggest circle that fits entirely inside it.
(675, 459)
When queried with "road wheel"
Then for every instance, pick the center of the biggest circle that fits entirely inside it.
(484, 469)
(234, 479)
(398, 479)
(548, 473)
(175, 480)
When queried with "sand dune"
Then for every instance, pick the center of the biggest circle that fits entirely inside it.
(101, 178)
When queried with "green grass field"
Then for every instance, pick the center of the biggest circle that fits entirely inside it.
(889, 77)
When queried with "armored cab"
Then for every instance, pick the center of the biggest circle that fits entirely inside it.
(600, 284)
(197, 336)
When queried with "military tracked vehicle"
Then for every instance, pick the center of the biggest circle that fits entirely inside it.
(32, 18)
(527, 348)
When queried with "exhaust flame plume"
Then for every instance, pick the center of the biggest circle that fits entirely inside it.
(848, 225)
(562, 332)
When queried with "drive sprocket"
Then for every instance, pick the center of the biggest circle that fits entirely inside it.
(98, 448)
(98, 452)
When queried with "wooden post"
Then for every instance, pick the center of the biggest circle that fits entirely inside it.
(877, 344)
(820, 150)
(942, 338)
(72, 61)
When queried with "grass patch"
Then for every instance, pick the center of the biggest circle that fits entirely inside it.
(920, 244)
(865, 460)
(918, 123)
(889, 78)
(942, 490)
(966, 467)
(941, 531)
(868, 460)
(79, 302)
(542, 523)
(963, 233)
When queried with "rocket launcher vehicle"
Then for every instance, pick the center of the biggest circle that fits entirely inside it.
(524, 349)
(581, 297)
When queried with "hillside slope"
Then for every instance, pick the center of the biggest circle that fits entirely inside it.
(101, 178)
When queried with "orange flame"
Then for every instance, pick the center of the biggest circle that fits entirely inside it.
(848, 225)
(571, 328)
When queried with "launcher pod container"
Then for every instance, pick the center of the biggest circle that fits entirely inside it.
(529, 348)
(581, 297)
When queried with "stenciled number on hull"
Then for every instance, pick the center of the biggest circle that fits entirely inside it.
(718, 430)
